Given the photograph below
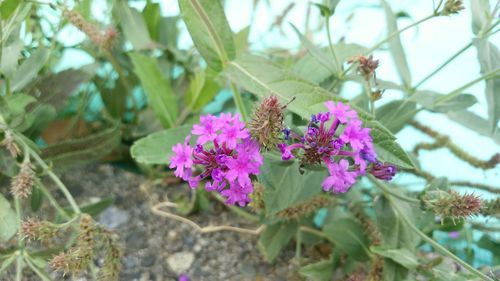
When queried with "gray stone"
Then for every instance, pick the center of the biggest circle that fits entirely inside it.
(180, 262)
(113, 217)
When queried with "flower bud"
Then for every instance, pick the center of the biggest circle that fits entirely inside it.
(383, 171)
(366, 65)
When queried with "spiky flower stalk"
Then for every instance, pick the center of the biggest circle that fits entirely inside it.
(257, 196)
(22, 184)
(10, 144)
(102, 39)
(453, 205)
(79, 256)
(112, 255)
(491, 207)
(306, 208)
(36, 230)
(267, 122)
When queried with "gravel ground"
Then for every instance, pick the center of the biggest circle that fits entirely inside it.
(157, 248)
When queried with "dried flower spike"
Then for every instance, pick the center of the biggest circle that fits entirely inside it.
(112, 255)
(366, 65)
(10, 144)
(101, 39)
(34, 229)
(267, 122)
(22, 184)
(453, 205)
(452, 7)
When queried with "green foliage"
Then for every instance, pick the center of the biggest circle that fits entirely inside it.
(275, 237)
(8, 225)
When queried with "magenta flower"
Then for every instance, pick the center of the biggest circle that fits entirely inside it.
(340, 179)
(206, 130)
(228, 161)
(347, 152)
(182, 159)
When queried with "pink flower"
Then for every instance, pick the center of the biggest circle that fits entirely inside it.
(232, 130)
(240, 168)
(355, 135)
(182, 159)
(237, 194)
(340, 178)
(341, 111)
(207, 130)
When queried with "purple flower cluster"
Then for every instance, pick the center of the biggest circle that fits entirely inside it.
(337, 139)
(226, 154)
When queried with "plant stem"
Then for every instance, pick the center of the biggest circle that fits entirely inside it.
(313, 231)
(20, 241)
(298, 246)
(459, 90)
(57, 181)
(338, 65)
(426, 238)
(52, 200)
(443, 65)
(239, 102)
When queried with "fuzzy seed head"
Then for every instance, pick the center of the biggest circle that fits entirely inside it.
(22, 184)
(453, 205)
(34, 229)
(112, 256)
(102, 39)
(306, 208)
(257, 197)
(267, 122)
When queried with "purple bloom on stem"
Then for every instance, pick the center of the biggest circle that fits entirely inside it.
(207, 130)
(182, 158)
(341, 111)
(383, 171)
(233, 130)
(355, 135)
(237, 194)
(240, 168)
(340, 179)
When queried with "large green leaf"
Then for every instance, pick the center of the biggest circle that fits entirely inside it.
(320, 271)
(10, 55)
(157, 88)
(396, 47)
(285, 186)
(347, 234)
(157, 147)
(211, 34)
(134, 27)
(202, 89)
(326, 61)
(402, 256)
(387, 149)
(481, 17)
(396, 234)
(8, 221)
(263, 78)
(396, 114)
(275, 237)
(489, 59)
(28, 70)
(152, 17)
(73, 152)
(474, 122)
(438, 103)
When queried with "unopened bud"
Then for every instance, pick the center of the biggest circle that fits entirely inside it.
(383, 171)
(267, 122)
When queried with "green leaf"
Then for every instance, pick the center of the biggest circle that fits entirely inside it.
(241, 40)
(74, 152)
(211, 34)
(396, 47)
(285, 186)
(36, 199)
(168, 33)
(489, 59)
(323, 59)
(491, 244)
(395, 233)
(8, 165)
(310, 69)
(97, 208)
(152, 16)
(264, 78)
(7, 7)
(10, 55)
(481, 17)
(202, 90)
(402, 256)
(7, 262)
(28, 70)
(387, 149)
(8, 220)
(157, 147)
(396, 114)
(114, 98)
(320, 271)
(17, 103)
(435, 102)
(157, 88)
(134, 27)
(475, 123)
(275, 237)
(348, 235)
(55, 88)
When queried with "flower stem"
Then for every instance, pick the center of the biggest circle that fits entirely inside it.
(239, 102)
(426, 238)
(52, 200)
(336, 61)
(20, 241)
(443, 65)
